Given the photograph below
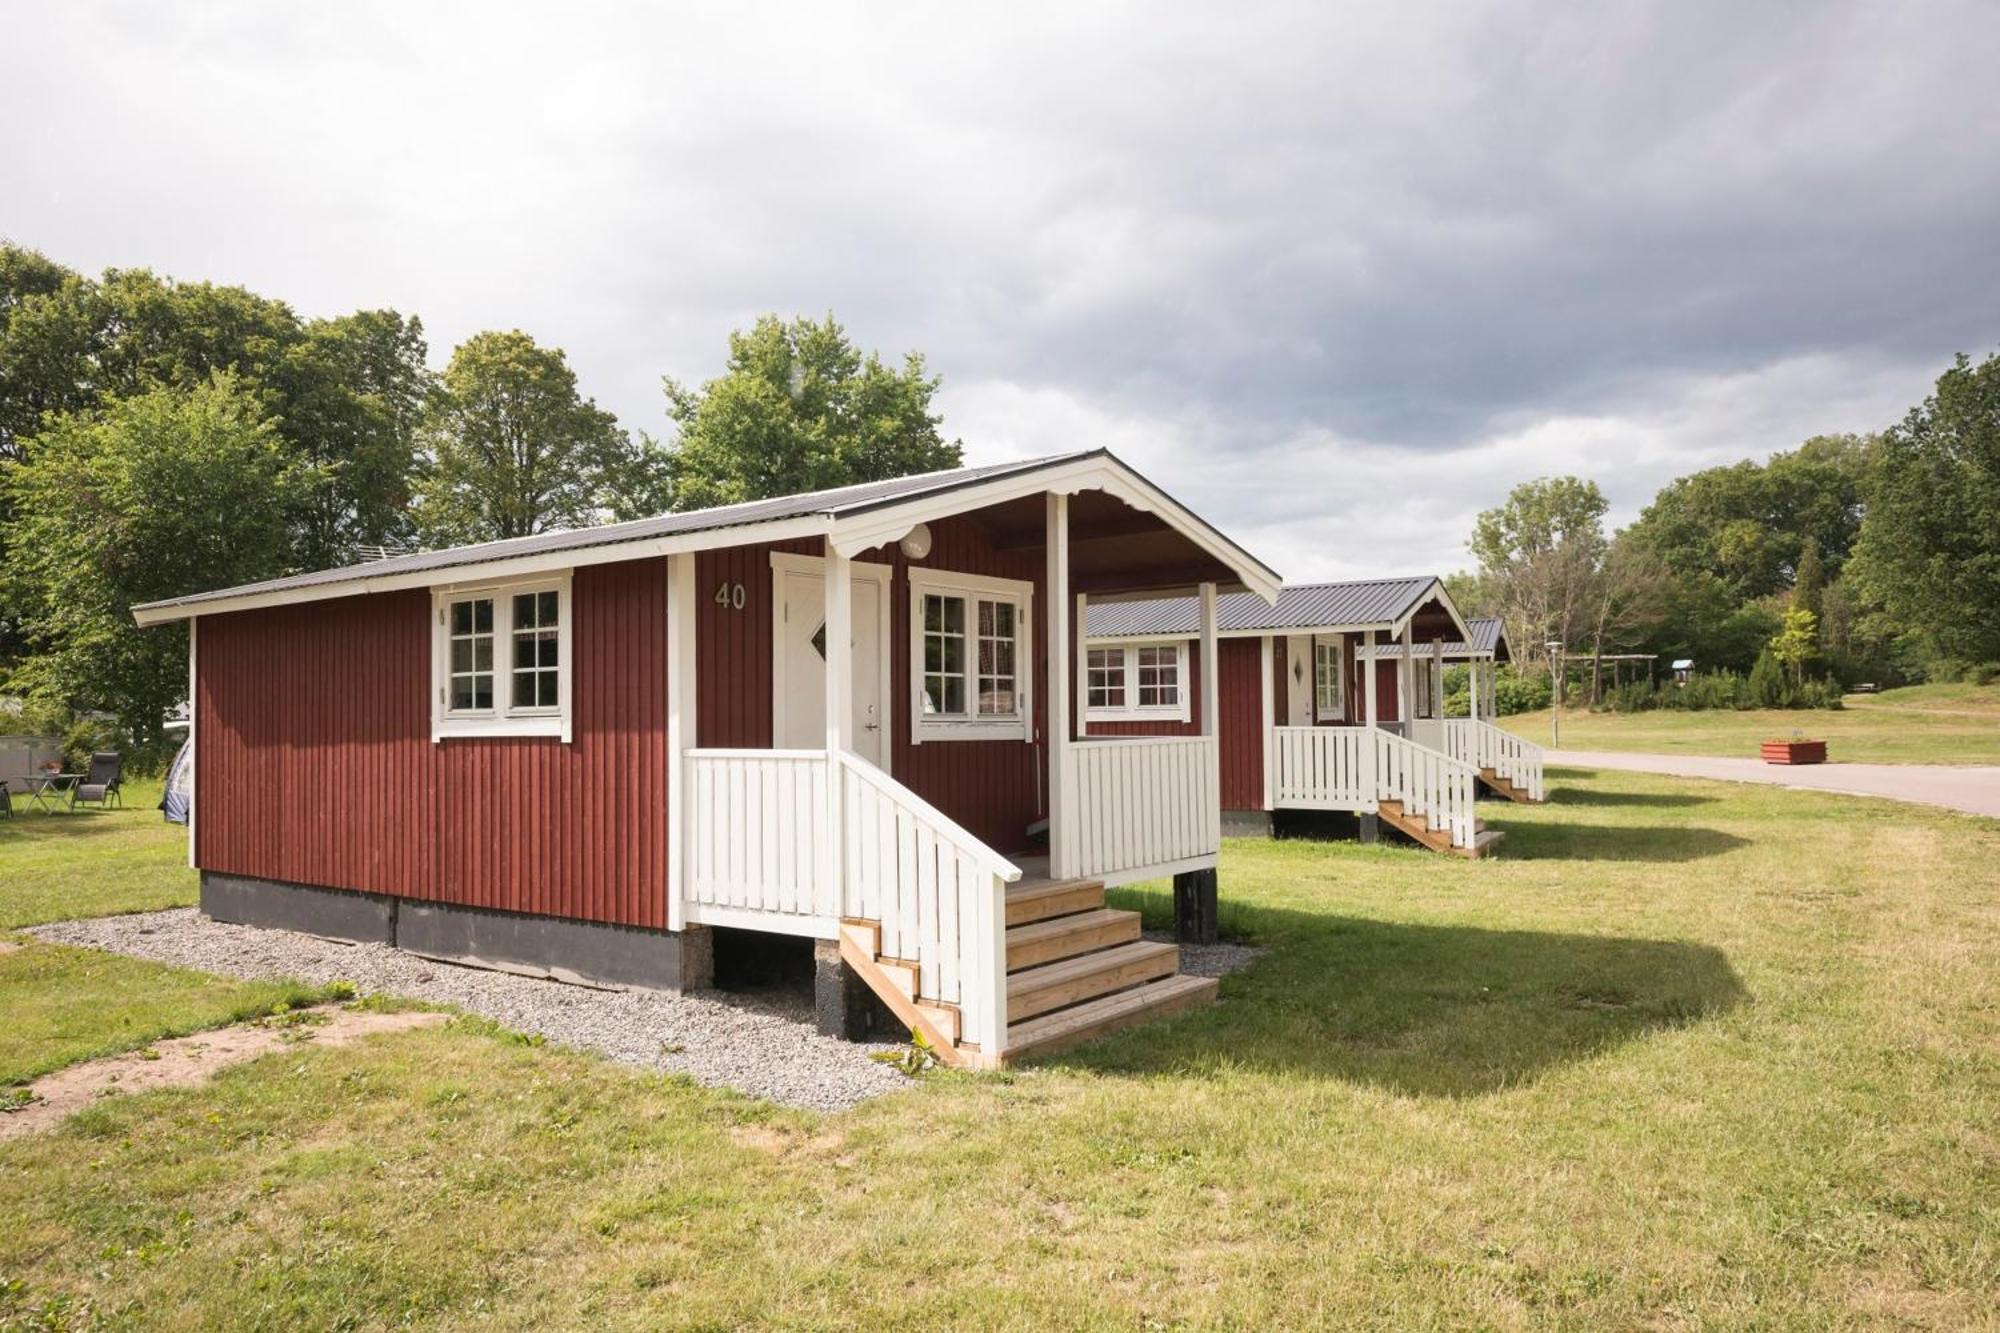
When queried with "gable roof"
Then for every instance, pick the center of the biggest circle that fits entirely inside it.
(856, 517)
(1320, 607)
(1486, 639)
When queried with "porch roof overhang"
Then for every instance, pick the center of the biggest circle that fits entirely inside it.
(1385, 605)
(1170, 546)
(1486, 640)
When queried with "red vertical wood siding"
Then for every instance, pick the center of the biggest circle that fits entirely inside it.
(1240, 714)
(529, 824)
(313, 759)
(315, 763)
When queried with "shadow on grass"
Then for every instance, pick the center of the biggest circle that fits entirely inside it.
(1663, 843)
(36, 826)
(1428, 1011)
(1591, 796)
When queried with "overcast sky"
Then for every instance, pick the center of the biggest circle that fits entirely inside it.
(1338, 278)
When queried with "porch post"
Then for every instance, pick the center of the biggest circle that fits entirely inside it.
(1268, 714)
(1437, 682)
(839, 706)
(681, 735)
(1210, 692)
(1406, 678)
(1472, 690)
(1062, 835)
(1082, 664)
(1371, 791)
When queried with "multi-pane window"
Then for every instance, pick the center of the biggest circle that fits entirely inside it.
(1137, 680)
(1423, 685)
(1104, 686)
(471, 685)
(1330, 694)
(996, 659)
(1159, 676)
(537, 650)
(969, 679)
(944, 655)
(970, 651)
(502, 661)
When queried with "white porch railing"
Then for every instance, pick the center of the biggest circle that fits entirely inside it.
(1319, 768)
(939, 893)
(1484, 745)
(757, 829)
(1429, 784)
(764, 854)
(1326, 768)
(1138, 806)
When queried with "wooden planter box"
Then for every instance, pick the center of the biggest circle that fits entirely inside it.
(1794, 752)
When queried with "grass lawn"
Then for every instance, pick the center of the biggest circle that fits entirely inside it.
(1687, 1055)
(92, 862)
(1922, 724)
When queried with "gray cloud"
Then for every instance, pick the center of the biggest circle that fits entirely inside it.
(1341, 275)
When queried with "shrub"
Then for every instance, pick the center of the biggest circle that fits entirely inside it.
(1520, 694)
(1769, 685)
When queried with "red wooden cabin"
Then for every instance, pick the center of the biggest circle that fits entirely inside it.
(1305, 724)
(824, 715)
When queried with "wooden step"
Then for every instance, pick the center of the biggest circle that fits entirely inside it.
(1086, 1022)
(1415, 826)
(1483, 844)
(1066, 936)
(1087, 976)
(1042, 899)
(1505, 788)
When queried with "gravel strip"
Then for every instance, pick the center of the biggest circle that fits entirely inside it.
(1211, 960)
(763, 1044)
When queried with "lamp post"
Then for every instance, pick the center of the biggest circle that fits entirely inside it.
(1555, 693)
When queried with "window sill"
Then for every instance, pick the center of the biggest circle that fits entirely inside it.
(1136, 715)
(468, 728)
(1012, 730)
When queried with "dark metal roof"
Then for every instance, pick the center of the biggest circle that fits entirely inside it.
(1486, 636)
(831, 503)
(1300, 606)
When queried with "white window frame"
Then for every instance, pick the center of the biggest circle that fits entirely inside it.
(973, 588)
(503, 719)
(1132, 710)
(1337, 710)
(1423, 684)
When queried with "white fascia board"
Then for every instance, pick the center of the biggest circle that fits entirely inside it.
(542, 562)
(1252, 633)
(1435, 590)
(877, 527)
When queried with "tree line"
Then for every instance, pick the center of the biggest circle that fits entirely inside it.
(1850, 558)
(159, 438)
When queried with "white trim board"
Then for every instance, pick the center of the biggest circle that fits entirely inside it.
(860, 531)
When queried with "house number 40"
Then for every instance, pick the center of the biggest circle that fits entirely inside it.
(730, 595)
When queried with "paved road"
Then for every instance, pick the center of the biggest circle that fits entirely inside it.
(1976, 791)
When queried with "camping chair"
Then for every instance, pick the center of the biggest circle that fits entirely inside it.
(100, 785)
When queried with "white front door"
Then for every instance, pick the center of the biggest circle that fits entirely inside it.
(798, 708)
(1299, 683)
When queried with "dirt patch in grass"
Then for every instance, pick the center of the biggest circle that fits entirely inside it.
(183, 1061)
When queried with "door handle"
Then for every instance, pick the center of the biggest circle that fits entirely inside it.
(871, 726)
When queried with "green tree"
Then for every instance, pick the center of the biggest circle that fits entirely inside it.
(1541, 556)
(1796, 645)
(511, 448)
(1929, 551)
(1747, 524)
(354, 390)
(160, 494)
(1809, 582)
(799, 409)
(342, 393)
